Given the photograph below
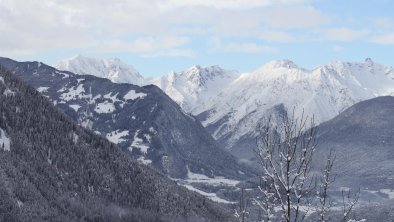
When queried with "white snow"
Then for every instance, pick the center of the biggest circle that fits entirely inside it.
(145, 161)
(191, 87)
(42, 89)
(75, 138)
(139, 144)
(5, 143)
(216, 181)
(75, 107)
(104, 107)
(87, 124)
(73, 93)
(111, 97)
(323, 92)
(112, 69)
(132, 95)
(116, 136)
(389, 192)
(19, 203)
(8, 92)
(211, 196)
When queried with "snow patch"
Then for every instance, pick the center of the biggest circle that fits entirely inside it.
(216, 181)
(143, 160)
(42, 89)
(73, 93)
(132, 95)
(75, 107)
(116, 136)
(19, 203)
(8, 92)
(5, 141)
(75, 138)
(105, 107)
(113, 98)
(211, 196)
(139, 144)
(389, 192)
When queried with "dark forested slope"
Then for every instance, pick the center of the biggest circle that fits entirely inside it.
(363, 140)
(53, 170)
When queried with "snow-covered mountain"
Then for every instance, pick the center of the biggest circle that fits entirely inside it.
(193, 86)
(234, 115)
(189, 88)
(112, 69)
(232, 105)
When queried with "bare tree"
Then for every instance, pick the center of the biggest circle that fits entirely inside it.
(289, 189)
(285, 154)
(241, 215)
(322, 194)
(348, 202)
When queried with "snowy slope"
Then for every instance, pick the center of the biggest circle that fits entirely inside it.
(191, 87)
(112, 69)
(278, 87)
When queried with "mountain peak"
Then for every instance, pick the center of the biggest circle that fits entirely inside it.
(285, 63)
(368, 60)
(200, 75)
(113, 69)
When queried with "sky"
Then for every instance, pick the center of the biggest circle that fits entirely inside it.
(157, 36)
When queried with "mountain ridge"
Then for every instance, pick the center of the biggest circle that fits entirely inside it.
(231, 108)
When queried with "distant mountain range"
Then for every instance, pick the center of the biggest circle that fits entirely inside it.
(53, 170)
(232, 105)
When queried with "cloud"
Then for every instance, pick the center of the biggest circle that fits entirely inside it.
(250, 48)
(165, 27)
(383, 39)
(28, 27)
(228, 4)
(171, 53)
(149, 46)
(277, 36)
(216, 45)
(343, 34)
(337, 48)
(383, 22)
(294, 17)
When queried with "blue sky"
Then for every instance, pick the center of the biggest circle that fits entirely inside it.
(156, 36)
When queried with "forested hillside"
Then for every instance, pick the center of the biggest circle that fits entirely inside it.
(53, 170)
